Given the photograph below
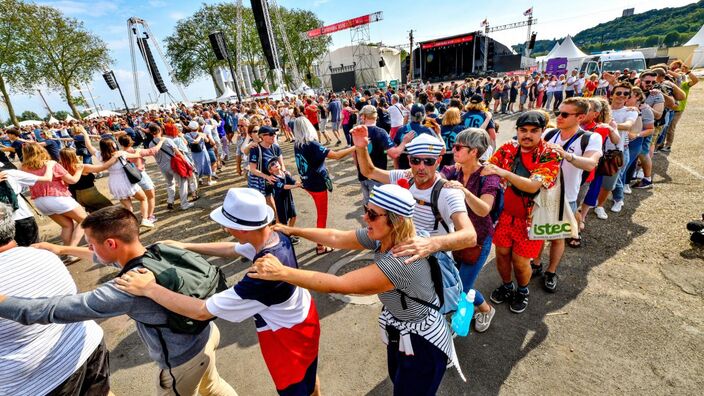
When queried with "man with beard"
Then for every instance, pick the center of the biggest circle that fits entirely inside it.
(525, 165)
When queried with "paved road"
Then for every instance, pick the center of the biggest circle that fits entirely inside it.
(627, 318)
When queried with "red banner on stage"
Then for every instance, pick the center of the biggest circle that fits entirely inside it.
(350, 23)
(442, 43)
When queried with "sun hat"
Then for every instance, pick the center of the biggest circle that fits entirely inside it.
(244, 209)
(393, 198)
(425, 144)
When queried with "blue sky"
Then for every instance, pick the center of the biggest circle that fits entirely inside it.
(429, 19)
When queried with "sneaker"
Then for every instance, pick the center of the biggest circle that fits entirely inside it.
(153, 219)
(170, 206)
(519, 302)
(617, 206)
(187, 206)
(537, 270)
(502, 293)
(482, 320)
(212, 183)
(644, 185)
(294, 240)
(600, 213)
(550, 283)
(147, 223)
(666, 149)
(68, 259)
(627, 189)
(640, 174)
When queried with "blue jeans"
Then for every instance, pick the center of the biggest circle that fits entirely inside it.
(470, 272)
(630, 155)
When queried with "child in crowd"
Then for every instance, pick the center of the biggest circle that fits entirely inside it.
(285, 208)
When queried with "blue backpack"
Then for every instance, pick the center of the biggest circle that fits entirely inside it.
(446, 281)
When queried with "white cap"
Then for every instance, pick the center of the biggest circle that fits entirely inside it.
(425, 144)
(193, 125)
(393, 198)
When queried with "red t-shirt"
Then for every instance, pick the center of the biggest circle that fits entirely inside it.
(312, 113)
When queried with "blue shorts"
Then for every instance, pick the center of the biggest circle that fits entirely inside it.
(146, 183)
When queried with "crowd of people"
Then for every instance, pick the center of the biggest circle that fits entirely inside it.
(432, 179)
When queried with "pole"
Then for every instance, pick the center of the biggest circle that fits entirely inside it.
(45, 103)
(232, 69)
(486, 47)
(127, 109)
(411, 65)
(91, 98)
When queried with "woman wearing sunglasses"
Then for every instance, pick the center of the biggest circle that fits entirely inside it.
(479, 192)
(417, 337)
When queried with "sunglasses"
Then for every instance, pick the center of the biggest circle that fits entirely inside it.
(425, 161)
(622, 93)
(564, 114)
(372, 214)
(458, 147)
(648, 82)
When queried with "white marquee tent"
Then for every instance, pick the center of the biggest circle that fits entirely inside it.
(566, 49)
(698, 55)
(30, 123)
(102, 113)
(227, 95)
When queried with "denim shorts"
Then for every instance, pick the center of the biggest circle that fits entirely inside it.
(146, 183)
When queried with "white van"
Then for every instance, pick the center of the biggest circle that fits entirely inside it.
(611, 61)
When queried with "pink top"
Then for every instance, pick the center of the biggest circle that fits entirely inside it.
(139, 162)
(53, 188)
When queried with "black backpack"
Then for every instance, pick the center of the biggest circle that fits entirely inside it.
(584, 137)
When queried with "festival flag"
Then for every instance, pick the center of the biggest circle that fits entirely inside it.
(528, 12)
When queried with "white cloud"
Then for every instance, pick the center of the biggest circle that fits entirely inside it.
(176, 15)
(89, 8)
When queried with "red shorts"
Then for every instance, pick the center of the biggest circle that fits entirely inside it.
(512, 232)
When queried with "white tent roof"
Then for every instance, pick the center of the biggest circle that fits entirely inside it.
(552, 51)
(698, 38)
(69, 118)
(30, 123)
(279, 94)
(568, 50)
(102, 113)
(53, 121)
(227, 95)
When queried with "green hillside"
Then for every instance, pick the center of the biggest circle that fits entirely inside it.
(666, 26)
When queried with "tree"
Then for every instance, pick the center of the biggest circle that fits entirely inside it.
(29, 115)
(671, 38)
(652, 41)
(61, 115)
(16, 60)
(69, 54)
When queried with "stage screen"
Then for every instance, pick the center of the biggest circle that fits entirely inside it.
(343, 81)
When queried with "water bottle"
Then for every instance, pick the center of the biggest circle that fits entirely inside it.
(462, 318)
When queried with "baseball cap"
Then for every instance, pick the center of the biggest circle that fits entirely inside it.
(534, 118)
(417, 112)
(476, 99)
(267, 130)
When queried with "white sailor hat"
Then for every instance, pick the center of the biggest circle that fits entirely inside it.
(393, 198)
(425, 144)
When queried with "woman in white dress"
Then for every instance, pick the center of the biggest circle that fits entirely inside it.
(118, 184)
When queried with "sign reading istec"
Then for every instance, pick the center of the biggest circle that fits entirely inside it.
(350, 23)
(442, 43)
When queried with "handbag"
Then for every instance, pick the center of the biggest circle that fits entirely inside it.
(133, 174)
(610, 163)
(552, 217)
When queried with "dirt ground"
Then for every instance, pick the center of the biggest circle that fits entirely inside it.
(627, 318)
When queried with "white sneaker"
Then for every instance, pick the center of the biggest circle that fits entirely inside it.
(627, 189)
(617, 206)
(640, 174)
(187, 206)
(147, 223)
(482, 320)
(601, 213)
(212, 183)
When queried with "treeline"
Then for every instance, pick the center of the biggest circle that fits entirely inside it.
(664, 27)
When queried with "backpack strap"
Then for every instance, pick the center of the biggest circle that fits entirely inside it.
(436, 276)
(434, 198)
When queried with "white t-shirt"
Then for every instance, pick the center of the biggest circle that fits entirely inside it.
(570, 84)
(571, 174)
(580, 84)
(451, 202)
(18, 180)
(621, 115)
(396, 115)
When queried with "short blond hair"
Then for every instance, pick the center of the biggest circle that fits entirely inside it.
(452, 116)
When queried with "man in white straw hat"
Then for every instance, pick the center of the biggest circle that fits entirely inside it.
(440, 212)
(285, 315)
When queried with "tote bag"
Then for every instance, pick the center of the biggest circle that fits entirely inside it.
(552, 217)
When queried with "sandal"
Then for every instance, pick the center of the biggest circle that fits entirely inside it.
(323, 250)
(574, 242)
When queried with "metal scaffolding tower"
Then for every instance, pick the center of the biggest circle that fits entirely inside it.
(362, 52)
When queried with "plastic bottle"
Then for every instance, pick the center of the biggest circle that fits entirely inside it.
(462, 318)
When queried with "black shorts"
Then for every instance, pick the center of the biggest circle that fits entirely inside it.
(93, 378)
(317, 127)
(26, 231)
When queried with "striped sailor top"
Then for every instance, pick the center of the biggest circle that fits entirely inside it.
(414, 280)
(36, 359)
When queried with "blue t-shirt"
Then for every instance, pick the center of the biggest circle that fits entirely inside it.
(475, 119)
(267, 154)
(53, 147)
(449, 134)
(335, 109)
(17, 145)
(412, 126)
(310, 160)
(379, 142)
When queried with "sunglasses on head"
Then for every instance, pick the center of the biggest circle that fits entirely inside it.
(564, 114)
(425, 161)
(372, 214)
(622, 93)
